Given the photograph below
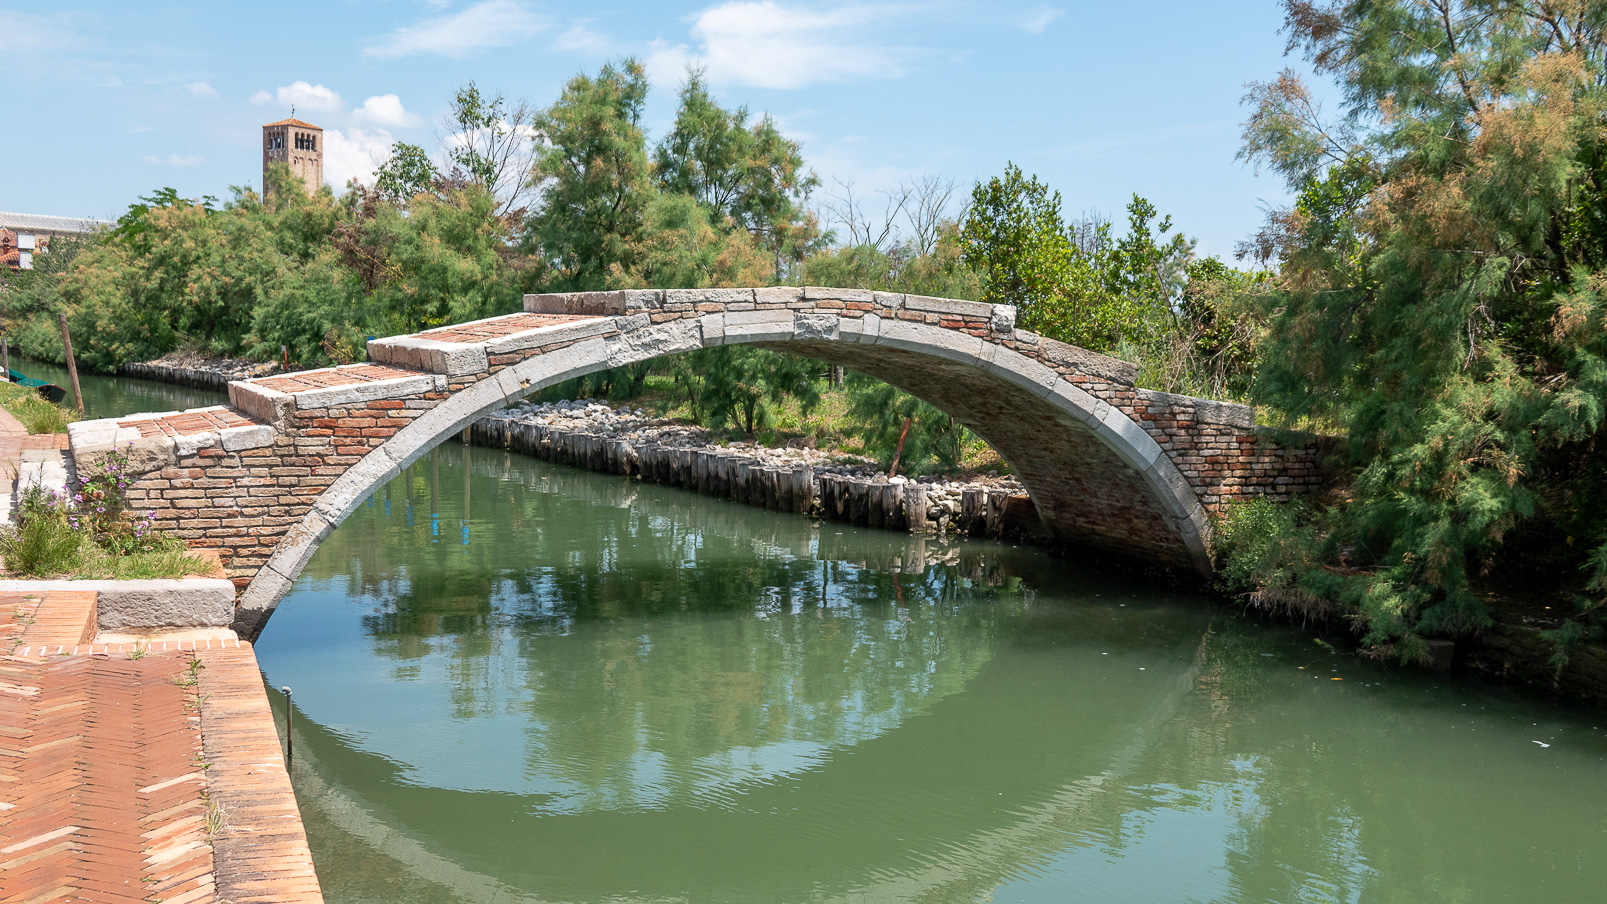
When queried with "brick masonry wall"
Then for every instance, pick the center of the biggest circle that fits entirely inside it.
(243, 489)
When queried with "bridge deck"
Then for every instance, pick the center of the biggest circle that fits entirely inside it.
(188, 423)
(331, 377)
(498, 327)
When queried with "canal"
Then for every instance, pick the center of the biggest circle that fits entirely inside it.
(520, 682)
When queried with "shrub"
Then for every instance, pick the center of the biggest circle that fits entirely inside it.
(87, 534)
(43, 542)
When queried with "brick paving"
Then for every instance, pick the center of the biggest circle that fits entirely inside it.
(186, 423)
(25, 620)
(486, 330)
(331, 377)
(138, 772)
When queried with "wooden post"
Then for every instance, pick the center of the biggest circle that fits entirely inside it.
(5, 352)
(899, 452)
(72, 366)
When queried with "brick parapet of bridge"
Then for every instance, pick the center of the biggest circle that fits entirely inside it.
(242, 479)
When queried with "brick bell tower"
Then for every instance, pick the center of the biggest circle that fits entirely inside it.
(300, 144)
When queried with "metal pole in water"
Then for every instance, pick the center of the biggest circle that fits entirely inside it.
(290, 744)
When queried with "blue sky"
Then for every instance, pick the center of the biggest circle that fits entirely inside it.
(1101, 100)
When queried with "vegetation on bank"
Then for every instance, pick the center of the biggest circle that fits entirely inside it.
(37, 414)
(1438, 292)
(89, 533)
(1433, 295)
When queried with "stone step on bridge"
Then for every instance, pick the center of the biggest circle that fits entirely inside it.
(1111, 467)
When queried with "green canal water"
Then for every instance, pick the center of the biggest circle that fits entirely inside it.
(107, 396)
(517, 682)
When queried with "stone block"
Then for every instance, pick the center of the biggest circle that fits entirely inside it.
(929, 340)
(260, 403)
(707, 296)
(948, 306)
(547, 335)
(663, 339)
(778, 295)
(816, 293)
(1059, 354)
(758, 326)
(349, 490)
(864, 329)
(292, 552)
(1203, 411)
(605, 304)
(154, 605)
(1028, 373)
(815, 326)
(362, 393)
(713, 326)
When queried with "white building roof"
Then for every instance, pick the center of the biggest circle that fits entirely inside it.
(33, 222)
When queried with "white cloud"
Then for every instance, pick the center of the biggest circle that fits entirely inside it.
(766, 45)
(580, 38)
(354, 155)
(31, 33)
(201, 89)
(492, 23)
(1039, 19)
(385, 110)
(174, 160)
(309, 98)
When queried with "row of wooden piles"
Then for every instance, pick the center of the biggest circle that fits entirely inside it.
(875, 503)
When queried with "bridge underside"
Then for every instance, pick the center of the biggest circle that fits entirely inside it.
(1110, 467)
(1086, 495)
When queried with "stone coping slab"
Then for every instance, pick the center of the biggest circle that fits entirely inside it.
(146, 605)
(478, 331)
(274, 400)
(155, 439)
(465, 349)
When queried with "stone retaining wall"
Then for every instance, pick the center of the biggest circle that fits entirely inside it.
(896, 504)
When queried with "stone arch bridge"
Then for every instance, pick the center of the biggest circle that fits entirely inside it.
(1110, 467)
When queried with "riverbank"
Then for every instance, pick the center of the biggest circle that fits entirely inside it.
(837, 487)
(198, 371)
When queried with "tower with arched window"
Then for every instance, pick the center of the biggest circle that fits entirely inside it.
(300, 144)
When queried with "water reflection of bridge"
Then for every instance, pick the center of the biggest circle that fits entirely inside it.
(938, 806)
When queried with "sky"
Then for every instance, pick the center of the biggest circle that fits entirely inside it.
(109, 101)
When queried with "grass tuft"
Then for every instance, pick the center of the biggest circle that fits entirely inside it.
(37, 414)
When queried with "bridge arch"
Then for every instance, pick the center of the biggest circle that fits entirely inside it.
(1109, 466)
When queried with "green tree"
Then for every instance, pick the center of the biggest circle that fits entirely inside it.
(1077, 285)
(408, 172)
(593, 176)
(750, 175)
(740, 385)
(490, 142)
(882, 415)
(1440, 298)
(679, 248)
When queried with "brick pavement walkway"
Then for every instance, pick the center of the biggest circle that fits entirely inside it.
(138, 772)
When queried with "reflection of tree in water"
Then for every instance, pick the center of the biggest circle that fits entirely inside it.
(665, 646)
